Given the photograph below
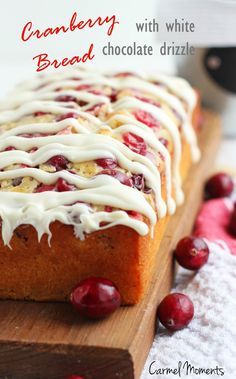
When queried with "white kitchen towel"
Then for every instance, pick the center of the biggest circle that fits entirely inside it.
(210, 339)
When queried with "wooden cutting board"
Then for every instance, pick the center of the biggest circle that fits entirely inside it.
(50, 341)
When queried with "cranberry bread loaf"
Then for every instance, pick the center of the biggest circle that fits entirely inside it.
(91, 168)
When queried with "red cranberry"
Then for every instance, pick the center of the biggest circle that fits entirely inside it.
(123, 178)
(146, 118)
(124, 74)
(87, 87)
(67, 115)
(175, 311)
(135, 143)
(108, 208)
(45, 187)
(9, 148)
(58, 161)
(103, 223)
(33, 149)
(106, 163)
(75, 377)
(113, 95)
(191, 253)
(219, 185)
(96, 92)
(232, 223)
(91, 90)
(83, 87)
(39, 114)
(147, 100)
(95, 109)
(134, 214)
(65, 98)
(164, 142)
(95, 298)
(138, 181)
(82, 103)
(62, 186)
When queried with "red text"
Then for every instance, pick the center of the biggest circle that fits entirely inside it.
(28, 32)
(44, 62)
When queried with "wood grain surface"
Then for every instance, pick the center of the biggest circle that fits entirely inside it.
(50, 341)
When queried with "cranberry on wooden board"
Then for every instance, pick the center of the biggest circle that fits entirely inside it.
(175, 311)
(219, 185)
(191, 252)
(95, 298)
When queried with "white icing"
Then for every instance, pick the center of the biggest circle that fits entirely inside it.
(43, 106)
(40, 209)
(156, 145)
(177, 85)
(165, 121)
(81, 148)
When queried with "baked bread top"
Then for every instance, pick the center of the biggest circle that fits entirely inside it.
(89, 150)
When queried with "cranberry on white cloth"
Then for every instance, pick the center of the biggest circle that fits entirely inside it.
(209, 340)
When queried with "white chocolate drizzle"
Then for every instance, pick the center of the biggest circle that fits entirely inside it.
(85, 144)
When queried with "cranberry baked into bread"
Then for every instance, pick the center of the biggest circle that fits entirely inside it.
(91, 168)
